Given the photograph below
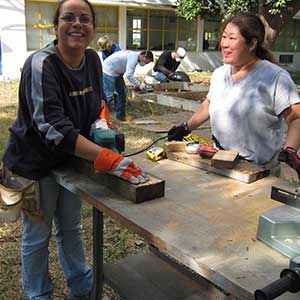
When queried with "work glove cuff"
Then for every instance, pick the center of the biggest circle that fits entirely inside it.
(176, 133)
(106, 160)
(289, 155)
(186, 127)
(116, 164)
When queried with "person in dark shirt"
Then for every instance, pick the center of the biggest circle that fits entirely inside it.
(167, 64)
(60, 98)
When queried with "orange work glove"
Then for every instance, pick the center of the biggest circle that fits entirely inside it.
(118, 165)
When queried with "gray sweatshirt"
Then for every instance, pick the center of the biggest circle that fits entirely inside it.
(122, 63)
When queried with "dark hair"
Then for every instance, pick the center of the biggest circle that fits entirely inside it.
(148, 54)
(251, 27)
(58, 9)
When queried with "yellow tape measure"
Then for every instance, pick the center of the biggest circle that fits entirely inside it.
(156, 153)
(199, 139)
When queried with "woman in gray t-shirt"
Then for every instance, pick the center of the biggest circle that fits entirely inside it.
(250, 97)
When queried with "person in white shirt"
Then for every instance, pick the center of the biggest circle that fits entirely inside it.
(250, 98)
(117, 65)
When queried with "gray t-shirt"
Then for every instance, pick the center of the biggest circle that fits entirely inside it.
(246, 115)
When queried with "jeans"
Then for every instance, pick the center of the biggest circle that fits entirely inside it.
(110, 84)
(159, 76)
(64, 208)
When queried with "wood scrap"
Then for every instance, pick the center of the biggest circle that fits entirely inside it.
(224, 159)
(152, 189)
(243, 170)
(175, 146)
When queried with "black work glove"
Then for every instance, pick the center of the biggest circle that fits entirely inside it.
(176, 133)
(137, 89)
(171, 75)
(289, 155)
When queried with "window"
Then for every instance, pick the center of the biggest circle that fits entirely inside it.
(288, 39)
(137, 32)
(211, 36)
(286, 59)
(159, 30)
(39, 24)
(162, 30)
(187, 34)
(107, 22)
(137, 24)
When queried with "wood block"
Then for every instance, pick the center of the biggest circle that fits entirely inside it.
(175, 146)
(137, 193)
(224, 159)
(243, 171)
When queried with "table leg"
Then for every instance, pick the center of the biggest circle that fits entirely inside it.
(97, 254)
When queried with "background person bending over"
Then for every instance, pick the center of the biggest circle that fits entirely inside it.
(59, 99)
(167, 64)
(117, 65)
(107, 46)
(249, 98)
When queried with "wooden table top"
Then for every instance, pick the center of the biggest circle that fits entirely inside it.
(206, 222)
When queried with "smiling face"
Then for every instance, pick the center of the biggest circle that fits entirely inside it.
(75, 35)
(234, 48)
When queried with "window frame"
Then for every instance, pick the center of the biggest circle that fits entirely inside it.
(177, 30)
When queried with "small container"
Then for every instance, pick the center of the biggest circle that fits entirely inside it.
(207, 151)
(193, 148)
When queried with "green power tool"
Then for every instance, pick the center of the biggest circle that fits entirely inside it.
(106, 137)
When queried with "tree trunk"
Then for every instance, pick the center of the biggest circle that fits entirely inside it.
(275, 23)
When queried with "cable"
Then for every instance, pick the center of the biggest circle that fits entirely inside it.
(199, 128)
(146, 148)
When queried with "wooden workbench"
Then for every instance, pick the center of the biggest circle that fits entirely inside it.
(205, 222)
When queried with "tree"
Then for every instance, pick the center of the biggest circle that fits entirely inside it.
(275, 14)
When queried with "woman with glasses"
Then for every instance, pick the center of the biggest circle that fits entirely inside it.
(60, 97)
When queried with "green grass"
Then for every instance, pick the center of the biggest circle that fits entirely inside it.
(296, 77)
(8, 109)
(204, 75)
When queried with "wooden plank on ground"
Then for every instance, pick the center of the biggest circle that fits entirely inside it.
(137, 193)
(172, 85)
(243, 171)
(224, 159)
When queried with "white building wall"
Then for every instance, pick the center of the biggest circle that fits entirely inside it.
(13, 37)
(122, 26)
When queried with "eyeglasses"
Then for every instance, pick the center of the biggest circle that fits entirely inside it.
(71, 19)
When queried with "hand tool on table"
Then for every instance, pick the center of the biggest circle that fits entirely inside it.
(279, 228)
(147, 88)
(156, 153)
